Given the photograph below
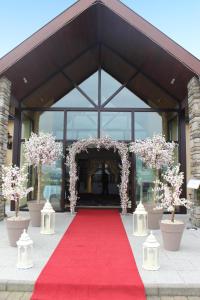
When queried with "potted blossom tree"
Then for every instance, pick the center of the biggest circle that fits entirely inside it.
(172, 230)
(14, 187)
(40, 149)
(155, 153)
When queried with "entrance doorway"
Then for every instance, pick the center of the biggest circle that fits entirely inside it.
(98, 178)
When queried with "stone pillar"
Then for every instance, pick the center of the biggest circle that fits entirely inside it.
(5, 92)
(194, 128)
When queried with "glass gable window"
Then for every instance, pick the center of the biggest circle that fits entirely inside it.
(116, 125)
(81, 125)
(125, 98)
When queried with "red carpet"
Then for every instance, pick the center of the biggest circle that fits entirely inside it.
(93, 261)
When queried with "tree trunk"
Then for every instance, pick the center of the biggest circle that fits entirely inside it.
(39, 171)
(17, 207)
(155, 186)
(173, 216)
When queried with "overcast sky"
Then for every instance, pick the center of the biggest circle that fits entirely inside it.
(179, 19)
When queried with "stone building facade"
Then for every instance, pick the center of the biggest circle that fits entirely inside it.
(194, 127)
(5, 93)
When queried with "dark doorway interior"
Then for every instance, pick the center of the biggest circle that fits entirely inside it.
(99, 178)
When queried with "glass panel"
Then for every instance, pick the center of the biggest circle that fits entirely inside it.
(176, 153)
(144, 182)
(28, 170)
(117, 125)
(26, 126)
(73, 99)
(109, 85)
(147, 124)
(125, 98)
(50, 121)
(51, 181)
(173, 129)
(81, 125)
(90, 87)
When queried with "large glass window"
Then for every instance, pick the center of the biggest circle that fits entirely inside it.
(116, 125)
(81, 124)
(86, 118)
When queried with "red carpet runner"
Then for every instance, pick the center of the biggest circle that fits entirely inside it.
(93, 261)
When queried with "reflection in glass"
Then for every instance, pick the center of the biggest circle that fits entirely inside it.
(51, 122)
(173, 128)
(109, 85)
(147, 124)
(81, 125)
(52, 183)
(125, 98)
(90, 87)
(26, 126)
(116, 125)
(144, 182)
(73, 99)
(28, 170)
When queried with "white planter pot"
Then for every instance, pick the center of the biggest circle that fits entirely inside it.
(154, 216)
(15, 227)
(35, 212)
(172, 234)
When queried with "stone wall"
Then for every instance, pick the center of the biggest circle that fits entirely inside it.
(194, 124)
(5, 92)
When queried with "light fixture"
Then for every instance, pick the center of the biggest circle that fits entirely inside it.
(48, 219)
(24, 247)
(172, 81)
(25, 80)
(9, 141)
(140, 221)
(151, 253)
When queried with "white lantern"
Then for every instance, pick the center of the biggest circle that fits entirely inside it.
(48, 219)
(140, 221)
(25, 247)
(151, 253)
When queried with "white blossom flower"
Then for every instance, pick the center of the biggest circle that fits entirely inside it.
(14, 186)
(171, 190)
(39, 150)
(42, 149)
(154, 152)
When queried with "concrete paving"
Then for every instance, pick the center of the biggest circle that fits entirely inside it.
(179, 275)
(179, 272)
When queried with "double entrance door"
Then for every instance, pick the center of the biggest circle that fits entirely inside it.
(98, 178)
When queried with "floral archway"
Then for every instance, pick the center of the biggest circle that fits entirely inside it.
(107, 143)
